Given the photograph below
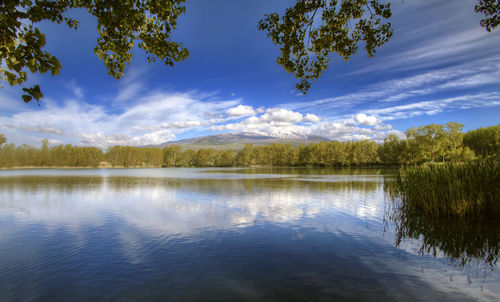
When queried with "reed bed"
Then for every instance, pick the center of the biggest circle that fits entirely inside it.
(468, 189)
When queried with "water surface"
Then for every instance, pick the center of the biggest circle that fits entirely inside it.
(229, 234)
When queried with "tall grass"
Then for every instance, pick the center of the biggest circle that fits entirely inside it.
(470, 189)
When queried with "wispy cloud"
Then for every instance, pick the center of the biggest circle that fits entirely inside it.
(427, 69)
(435, 106)
(155, 119)
(75, 89)
(453, 49)
(131, 85)
(433, 33)
(481, 74)
(161, 116)
(38, 128)
(348, 130)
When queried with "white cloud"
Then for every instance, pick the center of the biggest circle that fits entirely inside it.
(346, 130)
(311, 118)
(281, 115)
(432, 107)
(240, 110)
(474, 80)
(481, 74)
(38, 128)
(161, 117)
(75, 89)
(55, 142)
(341, 130)
(367, 120)
(181, 124)
(416, 44)
(103, 141)
(381, 135)
(381, 127)
(274, 129)
(156, 118)
(131, 85)
(276, 122)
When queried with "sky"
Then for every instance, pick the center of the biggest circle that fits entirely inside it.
(439, 66)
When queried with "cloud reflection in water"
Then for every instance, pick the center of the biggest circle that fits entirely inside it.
(230, 233)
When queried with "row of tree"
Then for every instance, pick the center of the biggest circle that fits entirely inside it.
(441, 143)
(46, 156)
(431, 143)
(278, 155)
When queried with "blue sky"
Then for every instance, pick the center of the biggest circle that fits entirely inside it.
(439, 66)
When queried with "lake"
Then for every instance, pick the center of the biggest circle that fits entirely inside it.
(231, 235)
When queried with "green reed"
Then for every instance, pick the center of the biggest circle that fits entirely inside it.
(469, 189)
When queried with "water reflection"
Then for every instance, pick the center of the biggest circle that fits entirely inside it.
(29, 183)
(269, 237)
(303, 171)
(181, 205)
(461, 240)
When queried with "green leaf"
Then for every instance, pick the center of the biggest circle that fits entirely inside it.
(120, 25)
(27, 98)
(306, 41)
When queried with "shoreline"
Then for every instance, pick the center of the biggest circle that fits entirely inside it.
(149, 167)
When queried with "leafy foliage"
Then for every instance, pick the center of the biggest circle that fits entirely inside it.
(127, 156)
(120, 25)
(491, 10)
(56, 156)
(429, 143)
(484, 141)
(311, 30)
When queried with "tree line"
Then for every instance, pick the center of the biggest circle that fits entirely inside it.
(430, 143)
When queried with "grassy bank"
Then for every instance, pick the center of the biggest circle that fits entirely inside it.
(470, 189)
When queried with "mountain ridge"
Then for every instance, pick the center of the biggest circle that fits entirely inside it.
(238, 140)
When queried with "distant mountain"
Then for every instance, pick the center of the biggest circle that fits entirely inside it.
(238, 140)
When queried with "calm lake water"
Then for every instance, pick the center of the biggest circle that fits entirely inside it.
(231, 235)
